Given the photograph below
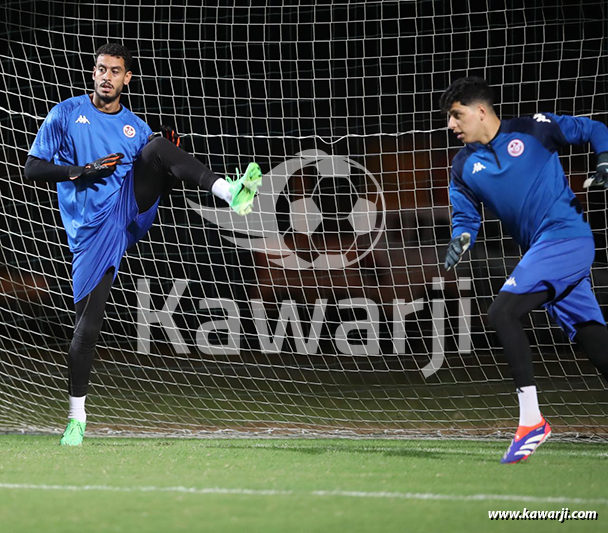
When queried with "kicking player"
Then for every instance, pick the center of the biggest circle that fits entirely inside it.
(111, 172)
(513, 167)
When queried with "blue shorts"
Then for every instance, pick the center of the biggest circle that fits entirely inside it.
(123, 226)
(563, 268)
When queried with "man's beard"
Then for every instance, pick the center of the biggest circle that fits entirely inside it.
(106, 98)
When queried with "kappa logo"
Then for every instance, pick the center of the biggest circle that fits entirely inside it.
(516, 148)
(81, 120)
(539, 117)
(129, 131)
(477, 167)
(510, 282)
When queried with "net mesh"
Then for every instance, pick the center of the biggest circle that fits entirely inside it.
(359, 80)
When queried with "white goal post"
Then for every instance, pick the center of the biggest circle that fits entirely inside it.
(328, 311)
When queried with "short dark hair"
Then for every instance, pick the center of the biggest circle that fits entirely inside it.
(115, 50)
(466, 91)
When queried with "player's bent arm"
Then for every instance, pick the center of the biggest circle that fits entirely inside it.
(466, 220)
(40, 170)
(581, 130)
(466, 209)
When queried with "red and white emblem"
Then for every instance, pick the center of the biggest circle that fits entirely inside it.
(129, 131)
(515, 148)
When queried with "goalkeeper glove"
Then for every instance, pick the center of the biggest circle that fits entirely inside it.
(600, 178)
(456, 249)
(100, 168)
(243, 189)
(168, 133)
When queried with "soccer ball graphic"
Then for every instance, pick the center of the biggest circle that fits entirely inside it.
(331, 221)
(337, 222)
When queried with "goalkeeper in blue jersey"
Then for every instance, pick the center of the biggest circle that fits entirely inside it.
(513, 168)
(111, 172)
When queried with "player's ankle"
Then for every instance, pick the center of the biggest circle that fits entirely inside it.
(221, 189)
(77, 409)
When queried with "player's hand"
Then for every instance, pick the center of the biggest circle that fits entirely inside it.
(100, 168)
(600, 178)
(456, 249)
(168, 133)
(171, 134)
(244, 188)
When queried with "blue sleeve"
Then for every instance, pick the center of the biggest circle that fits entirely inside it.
(581, 130)
(50, 136)
(466, 217)
(147, 131)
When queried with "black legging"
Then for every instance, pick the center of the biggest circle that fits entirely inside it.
(505, 315)
(89, 319)
(159, 162)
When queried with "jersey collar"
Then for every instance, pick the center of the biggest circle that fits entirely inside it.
(117, 113)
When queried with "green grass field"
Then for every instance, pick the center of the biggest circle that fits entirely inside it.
(270, 485)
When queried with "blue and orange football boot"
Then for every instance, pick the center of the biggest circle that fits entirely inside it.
(527, 439)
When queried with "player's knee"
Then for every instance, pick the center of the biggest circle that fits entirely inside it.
(86, 335)
(153, 156)
(159, 144)
(155, 149)
(493, 314)
(499, 315)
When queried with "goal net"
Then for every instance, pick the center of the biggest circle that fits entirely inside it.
(327, 310)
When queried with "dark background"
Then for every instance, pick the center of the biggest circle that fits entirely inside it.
(243, 82)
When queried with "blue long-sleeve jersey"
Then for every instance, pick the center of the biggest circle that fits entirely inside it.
(519, 177)
(75, 132)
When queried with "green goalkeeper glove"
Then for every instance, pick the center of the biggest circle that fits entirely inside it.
(243, 189)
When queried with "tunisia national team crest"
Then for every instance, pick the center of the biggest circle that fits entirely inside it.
(129, 131)
(516, 148)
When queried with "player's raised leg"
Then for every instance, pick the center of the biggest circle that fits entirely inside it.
(161, 159)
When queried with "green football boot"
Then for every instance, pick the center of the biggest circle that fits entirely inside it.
(244, 188)
(73, 434)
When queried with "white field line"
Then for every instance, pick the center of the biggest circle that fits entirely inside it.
(320, 493)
